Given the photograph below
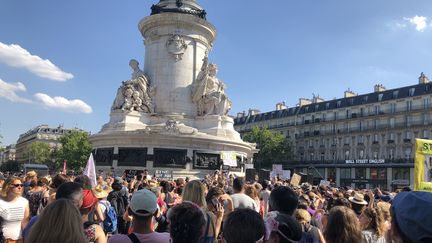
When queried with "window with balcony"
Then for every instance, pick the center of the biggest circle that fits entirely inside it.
(426, 102)
(377, 110)
(426, 134)
(409, 105)
(375, 154)
(347, 154)
(392, 122)
(425, 119)
(360, 139)
(407, 153)
(393, 108)
(391, 154)
(361, 154)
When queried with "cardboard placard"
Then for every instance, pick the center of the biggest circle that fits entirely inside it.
(295, 179)
(423, 165)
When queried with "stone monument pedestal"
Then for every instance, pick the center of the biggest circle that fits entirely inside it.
(173, 113)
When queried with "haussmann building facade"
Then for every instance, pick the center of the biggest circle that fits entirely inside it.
(362, 141)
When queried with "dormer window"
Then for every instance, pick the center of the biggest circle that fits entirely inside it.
(395, 94)
(380, 96)
(338, 104)
(411, 91)
(365, 99)
(327, 105)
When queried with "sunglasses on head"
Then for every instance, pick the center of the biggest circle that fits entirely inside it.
(17, 185)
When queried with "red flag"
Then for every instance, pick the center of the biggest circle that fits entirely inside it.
(64, 168)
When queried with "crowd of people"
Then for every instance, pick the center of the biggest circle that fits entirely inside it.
(218, 208)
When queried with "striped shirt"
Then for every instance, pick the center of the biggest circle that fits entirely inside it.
(12, 214)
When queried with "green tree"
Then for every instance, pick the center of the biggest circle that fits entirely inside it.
(75, 149)
(38, 152)
(273, 147)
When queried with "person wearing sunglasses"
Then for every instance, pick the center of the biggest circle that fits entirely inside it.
(14, 210)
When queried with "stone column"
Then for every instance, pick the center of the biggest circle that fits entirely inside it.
(338, 177)
(389, 177)
(367, 177)
(149, 163)
(175, 45)
(115, 161)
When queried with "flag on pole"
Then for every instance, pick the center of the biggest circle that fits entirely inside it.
(90, 170)
(64, 172)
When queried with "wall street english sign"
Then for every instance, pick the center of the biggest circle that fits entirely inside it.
(365, 161)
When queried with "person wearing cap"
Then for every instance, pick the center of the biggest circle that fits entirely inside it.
(411, 218)
(358, 204)
(92, 230)
(143, 207)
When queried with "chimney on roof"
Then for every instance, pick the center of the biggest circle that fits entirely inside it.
(349, 93)
(241, 114)
(304, 101)
(316, 99)
(281, 106)
(252, 112)
(423, 79)
(379, 88)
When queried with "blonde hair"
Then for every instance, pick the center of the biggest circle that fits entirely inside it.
(385, 209)
(194, 192)
(301, 214)
(60, 221)
(7, 185)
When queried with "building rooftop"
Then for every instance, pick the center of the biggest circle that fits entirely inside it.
(380, 95)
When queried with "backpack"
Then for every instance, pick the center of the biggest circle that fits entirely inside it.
(110, 221)
(119, 203)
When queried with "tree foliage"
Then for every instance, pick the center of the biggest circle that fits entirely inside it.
(38, 152)
(75, 149)
(273, 146)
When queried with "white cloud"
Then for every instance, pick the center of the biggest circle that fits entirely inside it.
(420, 22)
(58, 102)
(16, 56)
(8, 91)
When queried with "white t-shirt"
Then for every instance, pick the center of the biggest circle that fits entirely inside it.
(241, 200)
(12, 214)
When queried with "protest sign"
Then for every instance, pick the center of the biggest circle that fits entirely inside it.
(423, 165)
(295, 179)
(249, 166)
(286, 175)
(324, 183)
(229, 158)
(164, 174)
(276, 171)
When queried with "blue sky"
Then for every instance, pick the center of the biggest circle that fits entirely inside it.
(61, 62)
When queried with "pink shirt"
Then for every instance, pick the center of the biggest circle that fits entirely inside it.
(154, 237)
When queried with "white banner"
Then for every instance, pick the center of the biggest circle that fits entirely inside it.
(90, 170)
(229, 158)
